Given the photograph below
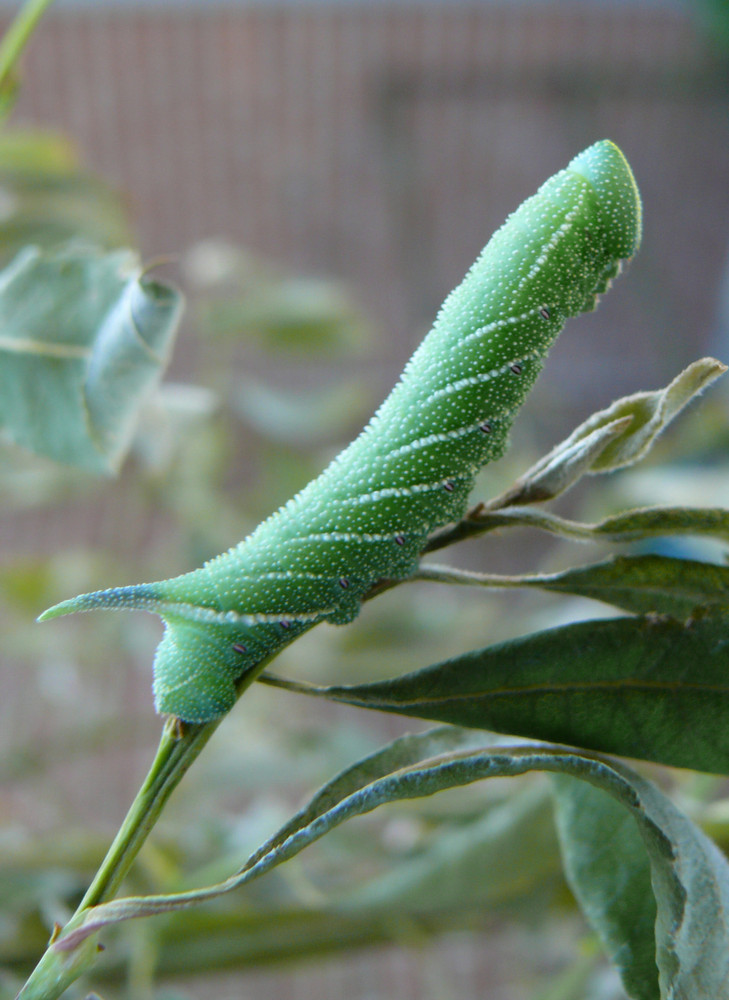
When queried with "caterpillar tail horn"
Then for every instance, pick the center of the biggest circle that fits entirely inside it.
(195, 667)
(141, 597)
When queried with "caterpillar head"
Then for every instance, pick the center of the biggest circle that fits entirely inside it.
(618, 202)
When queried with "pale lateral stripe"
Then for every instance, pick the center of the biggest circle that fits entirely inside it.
(479, 379)
(167, 689)
(552, 242)
(343, 536)
(437, 438)
(209, 616)
(395, 491)
(288, 574)
(501, 324)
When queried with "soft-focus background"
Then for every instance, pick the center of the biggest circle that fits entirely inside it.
(316, 177)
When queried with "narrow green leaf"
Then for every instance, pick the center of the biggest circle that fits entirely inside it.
(648, 687)
(638, 584)
(630, 526)
(305, 827)
(689, 876)
(610, 439)
(689, 879)
(649, 413)
(610, 874)
(642, 584)
(83, 340)
(655, 522)
(563, 466)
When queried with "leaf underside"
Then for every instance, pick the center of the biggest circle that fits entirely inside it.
(84, 338)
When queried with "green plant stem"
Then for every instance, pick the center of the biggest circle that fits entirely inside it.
(174, 756)
(17, 37)
(179, 746)
(59, 968)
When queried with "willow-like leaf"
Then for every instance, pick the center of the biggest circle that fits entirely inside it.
(602, 846)
(638, 584)
(610, 439)
(649, 687)
(631, 526)
(562, 467)
(689, 876)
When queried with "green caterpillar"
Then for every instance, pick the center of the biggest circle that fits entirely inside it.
(367, 516)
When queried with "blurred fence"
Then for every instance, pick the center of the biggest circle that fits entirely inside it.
(385, 143)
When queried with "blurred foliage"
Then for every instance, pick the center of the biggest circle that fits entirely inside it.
(84, 338)
(714, 18)
(47, 197)
(241, 295)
